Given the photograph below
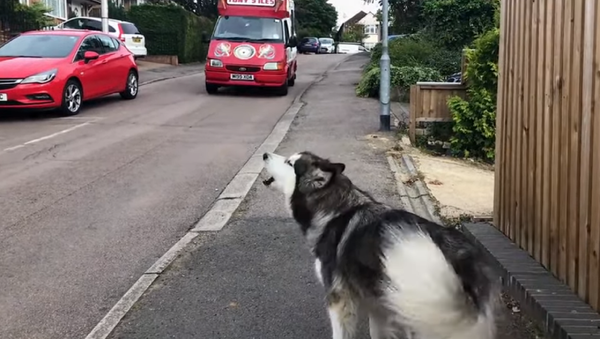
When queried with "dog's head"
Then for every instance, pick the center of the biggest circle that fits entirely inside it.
(302, 172)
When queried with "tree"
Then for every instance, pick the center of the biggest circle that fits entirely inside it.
(456, 23)
(353, 33)
(315, 18)
(405, 15)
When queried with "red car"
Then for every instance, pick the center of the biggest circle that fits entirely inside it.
(61, 69)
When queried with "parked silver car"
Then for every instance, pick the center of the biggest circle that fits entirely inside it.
(326, 45)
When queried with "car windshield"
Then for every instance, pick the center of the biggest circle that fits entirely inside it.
(39, 46)
(249, 29)
(326, 41)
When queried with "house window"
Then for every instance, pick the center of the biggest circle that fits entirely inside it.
(370, 29)
(59, 8)
(24, 2)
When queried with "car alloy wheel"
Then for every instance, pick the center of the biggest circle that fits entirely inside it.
(132, 84)
(72, 98)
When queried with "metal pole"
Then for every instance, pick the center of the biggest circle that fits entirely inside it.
(104, 15)
(384, 65)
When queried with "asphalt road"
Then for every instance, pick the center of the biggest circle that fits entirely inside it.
(90, 202)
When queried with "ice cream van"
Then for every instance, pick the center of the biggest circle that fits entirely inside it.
(253, 44)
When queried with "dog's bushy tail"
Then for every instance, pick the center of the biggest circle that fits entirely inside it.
(428, 294)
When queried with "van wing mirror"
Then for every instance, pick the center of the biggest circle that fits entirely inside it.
(293, 42)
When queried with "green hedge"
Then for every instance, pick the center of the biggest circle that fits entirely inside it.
(475, 118)
(171, 30)
(401, 78)
(418, 51)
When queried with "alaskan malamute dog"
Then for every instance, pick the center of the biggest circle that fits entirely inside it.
(408, 274)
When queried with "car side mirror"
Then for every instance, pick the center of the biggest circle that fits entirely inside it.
(90, 55)
(205, 38)
(293, 42)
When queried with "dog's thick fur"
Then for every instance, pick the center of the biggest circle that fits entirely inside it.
(408, 274)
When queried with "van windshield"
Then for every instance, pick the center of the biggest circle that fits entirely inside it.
(248, 29)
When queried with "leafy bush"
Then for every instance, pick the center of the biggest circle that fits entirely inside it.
(475, 118)
(418, 51)
(401, 78)
(171, 30)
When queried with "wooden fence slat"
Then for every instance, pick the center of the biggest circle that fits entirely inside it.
(565, 140)
(525, 206)
(594, 250)
(547, 140)
(500, 120)
(558, 83)
(510, 128)
(586, 134)
(538, 146)
(574, 114)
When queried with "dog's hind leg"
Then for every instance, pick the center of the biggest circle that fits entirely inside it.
(343, 314)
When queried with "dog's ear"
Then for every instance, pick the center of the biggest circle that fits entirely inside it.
(325, 171)
(332, 167)
(301, 167)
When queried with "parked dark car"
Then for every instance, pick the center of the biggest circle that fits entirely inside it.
(309, 45)
(456, 77)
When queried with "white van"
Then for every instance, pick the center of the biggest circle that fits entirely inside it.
(125, 31)
(350, 48)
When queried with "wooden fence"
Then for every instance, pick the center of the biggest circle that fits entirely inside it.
(547, 194)
(429, 102)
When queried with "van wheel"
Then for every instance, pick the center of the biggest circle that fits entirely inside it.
(292, 81)
(284, 89)
(211, 88)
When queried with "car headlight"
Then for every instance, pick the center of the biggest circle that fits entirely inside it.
(41, 78)
(273, 66)
(215, 63)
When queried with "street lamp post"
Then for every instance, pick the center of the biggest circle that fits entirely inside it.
(384, 65)
(104, 15)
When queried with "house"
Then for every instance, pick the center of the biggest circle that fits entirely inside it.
(370, 25)
(65, 9)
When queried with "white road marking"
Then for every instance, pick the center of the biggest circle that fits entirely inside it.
(213, 221)
(53, 135)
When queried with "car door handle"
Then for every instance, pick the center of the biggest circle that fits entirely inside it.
(103, 61)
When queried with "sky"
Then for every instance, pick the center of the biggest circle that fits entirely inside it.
(347, 8)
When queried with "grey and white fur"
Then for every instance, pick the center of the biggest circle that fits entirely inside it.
(409, 275)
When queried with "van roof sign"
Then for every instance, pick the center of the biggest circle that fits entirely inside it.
(262, 3)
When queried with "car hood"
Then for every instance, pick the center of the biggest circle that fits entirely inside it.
(19, 68)
(246, 53)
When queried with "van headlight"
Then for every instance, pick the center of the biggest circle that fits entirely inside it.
(41, 78)
(215, 63)
(273, 66)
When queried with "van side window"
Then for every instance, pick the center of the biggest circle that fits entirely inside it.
(286, 31)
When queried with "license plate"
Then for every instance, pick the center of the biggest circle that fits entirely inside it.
(247, 77)
(3, 97)
(137, 40)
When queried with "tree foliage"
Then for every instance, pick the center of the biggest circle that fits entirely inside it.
(205, 8)
(353, 33)
(315, 18)
(456, 23)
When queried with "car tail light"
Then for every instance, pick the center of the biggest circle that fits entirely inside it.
(121, 33)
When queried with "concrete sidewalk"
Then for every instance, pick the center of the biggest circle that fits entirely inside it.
(255, 278)
(154, 74)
